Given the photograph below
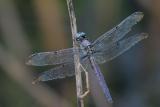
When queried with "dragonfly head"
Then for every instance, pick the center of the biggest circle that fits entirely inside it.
(81, 36)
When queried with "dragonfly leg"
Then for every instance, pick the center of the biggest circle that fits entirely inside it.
(79, 66)
(87, 83)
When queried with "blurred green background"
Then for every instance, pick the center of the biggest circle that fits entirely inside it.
(28, 26)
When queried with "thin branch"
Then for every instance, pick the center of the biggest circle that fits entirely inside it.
(80, 101)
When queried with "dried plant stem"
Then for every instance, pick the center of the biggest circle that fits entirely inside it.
(80, 102)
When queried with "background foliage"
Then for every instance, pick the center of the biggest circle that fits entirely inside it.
(28, 26)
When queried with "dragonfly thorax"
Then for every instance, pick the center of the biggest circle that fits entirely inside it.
(81, 38)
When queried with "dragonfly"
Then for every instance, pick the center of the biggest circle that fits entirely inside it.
(105, 48)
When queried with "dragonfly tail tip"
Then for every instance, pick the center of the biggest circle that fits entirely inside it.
(110, 101)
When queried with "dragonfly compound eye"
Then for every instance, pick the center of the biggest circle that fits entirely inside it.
(81, 34)
(84, 36)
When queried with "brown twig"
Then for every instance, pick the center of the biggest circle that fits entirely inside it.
(50, 23)
(80, 102)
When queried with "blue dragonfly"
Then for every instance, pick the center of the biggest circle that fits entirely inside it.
(105, 48)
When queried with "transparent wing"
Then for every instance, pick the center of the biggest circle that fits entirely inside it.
(51, 58)
(117, 32)
(62, 71)
(118, 48)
